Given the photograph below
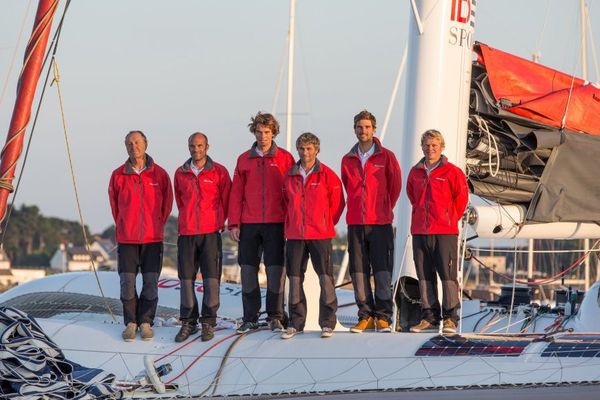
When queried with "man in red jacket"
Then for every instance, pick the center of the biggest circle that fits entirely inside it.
(141, 199)
(438, 193)
(314, 203)
(256, 216)
(372, 178)
(202, 194)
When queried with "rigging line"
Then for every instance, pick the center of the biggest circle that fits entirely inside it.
(14, 55)
(564, 118)
(51, 49)
(74, 181)
(500, 250)
(593, 45)
(542, 32)
(461, 268)
(512, 296)
(279, 80)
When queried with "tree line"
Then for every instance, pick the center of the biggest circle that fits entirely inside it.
(31, 239)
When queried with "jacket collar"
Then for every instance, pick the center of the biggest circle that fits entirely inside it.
(129, 167)
(421, 163)
(208, 166)
(270, 153)
(354, 150)
(295, 170)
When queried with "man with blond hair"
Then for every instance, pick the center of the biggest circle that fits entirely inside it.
(438, 192)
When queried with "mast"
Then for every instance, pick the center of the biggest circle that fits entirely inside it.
(32, 66)
(437, 96)
(290, 86)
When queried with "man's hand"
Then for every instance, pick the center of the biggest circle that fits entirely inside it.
(235, 234)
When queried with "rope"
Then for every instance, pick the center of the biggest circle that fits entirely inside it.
(492, 144)
(74, 180)
(200, 356)
(14, 55)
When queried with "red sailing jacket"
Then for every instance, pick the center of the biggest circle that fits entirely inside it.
(202, 200)
(373, 191)
(140, 203)
(256, 191)
(312, 207)
(438, 200)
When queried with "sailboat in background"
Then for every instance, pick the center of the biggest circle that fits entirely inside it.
(514, 343)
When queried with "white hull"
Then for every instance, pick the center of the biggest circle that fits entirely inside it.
(262, 363)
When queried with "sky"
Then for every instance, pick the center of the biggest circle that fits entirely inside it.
(174, 68)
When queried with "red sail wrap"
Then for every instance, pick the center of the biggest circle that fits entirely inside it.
(541, 93)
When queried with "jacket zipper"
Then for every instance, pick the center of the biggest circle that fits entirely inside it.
(263, 189)
(427, 194)
(197, 178)
(141, 206)
(364, 190)
(303, 206)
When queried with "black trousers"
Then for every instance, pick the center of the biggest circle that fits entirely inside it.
(147, 259)
(437, 254)
(297, 253)
(371, 250)
(204, 253)
(266, 241)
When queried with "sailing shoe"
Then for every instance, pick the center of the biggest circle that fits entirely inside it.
(326, 332)
(424, 326)
(275, 325)
(290, 333)
(383, 326)
(146, 331)
(247, 327)
(364, 325)
(449, 326)
(208, 332)
(186, 330)
(129, 332)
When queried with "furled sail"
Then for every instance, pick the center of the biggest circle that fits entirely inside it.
(534, 139)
